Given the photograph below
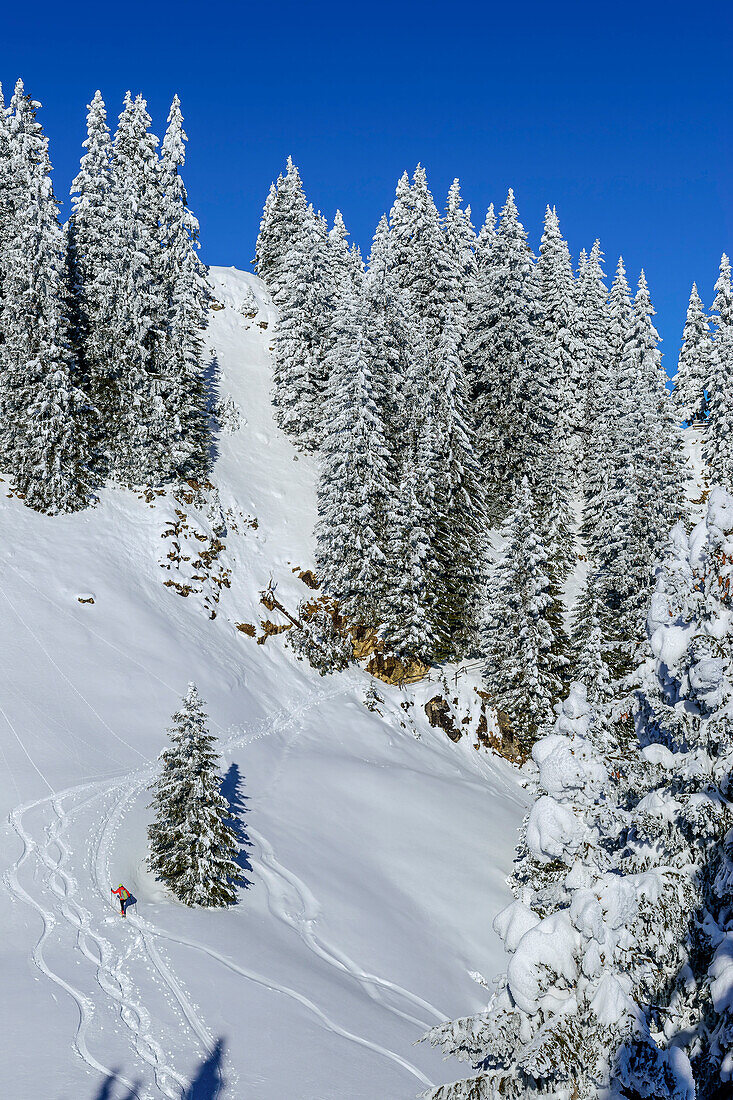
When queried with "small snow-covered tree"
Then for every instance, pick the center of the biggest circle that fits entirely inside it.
(193, 843)
(692, 381)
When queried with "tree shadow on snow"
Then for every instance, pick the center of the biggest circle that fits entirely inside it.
(109, 1092)
(207, 1084)
(232, 788)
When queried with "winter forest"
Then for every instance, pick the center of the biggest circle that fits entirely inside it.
(504, 478)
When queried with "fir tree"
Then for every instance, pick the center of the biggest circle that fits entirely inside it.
(185, 392)
(138, 426)
(460, 235)
(524, 635)
(505, 349)
(302, 290)
(44, 415)
(589, 645)
(692, 381)
(353, 488)
(594, 318)
(562, 335)
(193, 841)
(719, 427)
(458, 551)
(91, 262)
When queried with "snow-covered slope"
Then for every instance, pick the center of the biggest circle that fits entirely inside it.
(376, 851)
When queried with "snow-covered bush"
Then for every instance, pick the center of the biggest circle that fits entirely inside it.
(319, 641)
(229, 414)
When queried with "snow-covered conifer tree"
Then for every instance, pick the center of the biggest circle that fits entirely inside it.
(264, 253)
(719, 427)
(524, 637)
(188, 297)
(504, 348)
(458, 550)
(562, 333)
(692, 381)
(44, 417)
(91, 262)
(353, 487)
(302, 290)
(193, 843)
(589, 645)
(593, 309)
(460, 234)
(139, 428)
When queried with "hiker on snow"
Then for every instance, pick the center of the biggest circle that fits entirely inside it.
(124, 896)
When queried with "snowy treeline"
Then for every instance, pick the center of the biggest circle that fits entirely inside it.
(457, 384)
(620, 974)
(101, 373)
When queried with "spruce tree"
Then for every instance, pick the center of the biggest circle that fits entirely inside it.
(302, 291)
(563, 340)
(692, 381)
(188, 297)
(504, 350)
(588, 644)
(719, 427)
(594, 316)
(138, 425)
(353, 488)
(524, 636)
(460, 235)
(458, 551)
(45, 417)
(6, 182)
(92, 263)
(193, 840)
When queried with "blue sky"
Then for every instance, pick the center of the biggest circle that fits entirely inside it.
(618, 114)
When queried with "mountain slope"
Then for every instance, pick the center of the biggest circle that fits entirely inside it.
(376, 848)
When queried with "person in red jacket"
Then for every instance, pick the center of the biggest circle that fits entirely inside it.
(124, 896)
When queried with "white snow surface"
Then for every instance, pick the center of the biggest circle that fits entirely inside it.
(377, 849)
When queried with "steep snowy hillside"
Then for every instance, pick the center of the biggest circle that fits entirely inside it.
(376, 848)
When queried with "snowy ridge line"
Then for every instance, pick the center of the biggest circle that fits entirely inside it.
(285, 891)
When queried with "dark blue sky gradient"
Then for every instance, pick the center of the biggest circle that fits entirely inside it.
(619, 113)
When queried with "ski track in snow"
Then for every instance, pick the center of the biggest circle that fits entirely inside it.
(289, 900)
